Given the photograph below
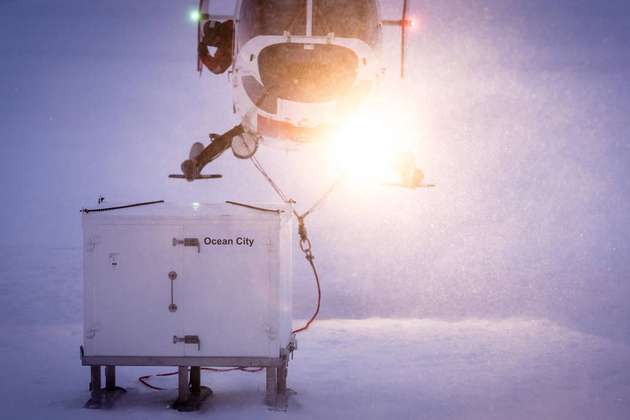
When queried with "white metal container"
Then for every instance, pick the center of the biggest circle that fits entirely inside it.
(148, 287)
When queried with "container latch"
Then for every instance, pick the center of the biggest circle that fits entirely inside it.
(188, 242)
(188, 339)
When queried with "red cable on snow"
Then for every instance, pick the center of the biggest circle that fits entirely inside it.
(143, 379)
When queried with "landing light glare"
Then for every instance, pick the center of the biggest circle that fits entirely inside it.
(368, 146)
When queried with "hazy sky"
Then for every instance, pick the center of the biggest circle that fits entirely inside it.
(522, 108)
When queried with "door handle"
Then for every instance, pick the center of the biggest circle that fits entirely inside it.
(172, 276)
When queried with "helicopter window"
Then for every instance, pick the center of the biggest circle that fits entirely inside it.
(320, 74)
(271, 17)
(344, 18)
(263, 98)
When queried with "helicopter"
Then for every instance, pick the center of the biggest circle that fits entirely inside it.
(297, 70)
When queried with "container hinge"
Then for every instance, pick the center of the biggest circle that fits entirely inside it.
(272, 333)
(188, 339)
(188, 242)
(91, 333)
(91, 244)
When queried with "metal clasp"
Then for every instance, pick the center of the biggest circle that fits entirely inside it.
(188, 339)
(188, 242)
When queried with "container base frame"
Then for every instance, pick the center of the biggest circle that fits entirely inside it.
(190, 392)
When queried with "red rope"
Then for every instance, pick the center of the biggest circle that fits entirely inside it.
(310, 258)
(143, 379)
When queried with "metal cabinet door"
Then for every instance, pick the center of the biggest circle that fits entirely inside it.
(226, 290)
(128, 289)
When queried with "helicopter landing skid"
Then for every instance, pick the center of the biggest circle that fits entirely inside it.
(182, 176)
(410, 186)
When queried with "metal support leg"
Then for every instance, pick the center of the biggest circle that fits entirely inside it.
(183, 384)
(272, 386)
(103, 398)
(195, 380)
(282, 378)
(190, 398)
(95, 381)
(110, 378)
(96, 393)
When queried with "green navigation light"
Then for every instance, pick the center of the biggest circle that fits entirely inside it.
(194, 16)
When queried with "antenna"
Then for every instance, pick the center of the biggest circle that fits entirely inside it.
(199, 34)
(404, 23)
(403, 36)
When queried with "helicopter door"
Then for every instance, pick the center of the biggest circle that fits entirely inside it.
(215, 31)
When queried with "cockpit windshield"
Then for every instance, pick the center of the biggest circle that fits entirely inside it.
(320, 74)
(345, 18)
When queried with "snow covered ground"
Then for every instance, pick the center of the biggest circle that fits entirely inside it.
(363, 369)
(374, 368)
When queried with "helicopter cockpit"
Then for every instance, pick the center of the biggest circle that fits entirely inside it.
(299, 68)
(302, 65)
